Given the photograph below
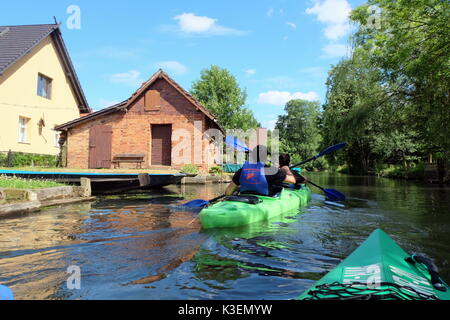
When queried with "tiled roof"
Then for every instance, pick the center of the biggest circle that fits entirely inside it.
(127, 103)
(17, 41)
(93, 115)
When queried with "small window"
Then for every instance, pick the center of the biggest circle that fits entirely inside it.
(152, 100)
(23, 129)
(44, 88)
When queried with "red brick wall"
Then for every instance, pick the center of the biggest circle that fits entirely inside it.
(132, 129)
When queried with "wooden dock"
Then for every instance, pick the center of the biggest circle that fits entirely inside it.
(104, 182)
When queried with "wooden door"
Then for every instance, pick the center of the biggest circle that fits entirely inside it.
(100, 143)
(161, 145)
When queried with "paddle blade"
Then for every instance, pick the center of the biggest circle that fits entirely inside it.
(331, 149)
(334, 195)
(196, 203)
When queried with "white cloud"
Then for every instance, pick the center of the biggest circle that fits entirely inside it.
(292, 25)
(334, 14)
(172, 66)
(270, 12)
(334, 50)
(280, 98)
(132, 78)
(190, 23)
(250, 72)
(337, 31)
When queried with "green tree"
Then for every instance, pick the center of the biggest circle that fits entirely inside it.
(360, 110)
(298, 129)
(220, 93)
(411, 46)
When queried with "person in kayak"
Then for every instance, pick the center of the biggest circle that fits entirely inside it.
(256, 177)
(285, 162)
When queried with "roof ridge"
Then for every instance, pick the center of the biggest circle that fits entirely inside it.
(31, 25)
(162, 73)
(90, 115)
(128, 102)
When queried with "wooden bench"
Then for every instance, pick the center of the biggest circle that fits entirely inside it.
(128, 158)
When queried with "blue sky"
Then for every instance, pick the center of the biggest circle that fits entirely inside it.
(278, 50)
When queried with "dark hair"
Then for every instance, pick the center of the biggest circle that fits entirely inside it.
(284, 159)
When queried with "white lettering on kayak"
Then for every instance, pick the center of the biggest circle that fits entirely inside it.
(406, 279)
(369, 275)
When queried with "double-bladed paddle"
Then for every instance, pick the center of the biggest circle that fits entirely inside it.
(330, 193)
(199, 203)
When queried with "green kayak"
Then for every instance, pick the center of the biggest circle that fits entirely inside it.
(379, 269)
(244, 210)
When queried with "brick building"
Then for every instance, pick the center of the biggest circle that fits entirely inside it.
(160, 121)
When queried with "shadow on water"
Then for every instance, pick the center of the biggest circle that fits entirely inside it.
(134, 246)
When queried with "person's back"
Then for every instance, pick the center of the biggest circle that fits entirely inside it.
(257, 178)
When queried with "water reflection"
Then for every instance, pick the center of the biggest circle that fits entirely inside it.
(136, 246)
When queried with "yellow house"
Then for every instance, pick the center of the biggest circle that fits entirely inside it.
(39, 88)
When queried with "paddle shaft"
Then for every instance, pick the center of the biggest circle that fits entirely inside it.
(302, 163)
(323, 153)
(315, 185)
(217, 198)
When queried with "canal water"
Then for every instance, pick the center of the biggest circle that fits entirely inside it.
(141, 246)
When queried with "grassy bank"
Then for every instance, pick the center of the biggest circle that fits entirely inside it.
(18, 183)
(416, 172)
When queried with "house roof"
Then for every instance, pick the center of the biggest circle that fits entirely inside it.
(160, 74)
(17, 41)
(93, 115)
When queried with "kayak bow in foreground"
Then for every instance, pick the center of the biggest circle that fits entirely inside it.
(380, 270)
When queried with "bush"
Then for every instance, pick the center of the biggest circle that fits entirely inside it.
(416, 171)
(3, 159)
(27, 160)
(189, 169)
(216, 170)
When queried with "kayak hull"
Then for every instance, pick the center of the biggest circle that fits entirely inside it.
(377, 269)
(230, 214)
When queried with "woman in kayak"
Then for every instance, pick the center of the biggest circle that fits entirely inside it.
(256, 177)
(285, 162)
